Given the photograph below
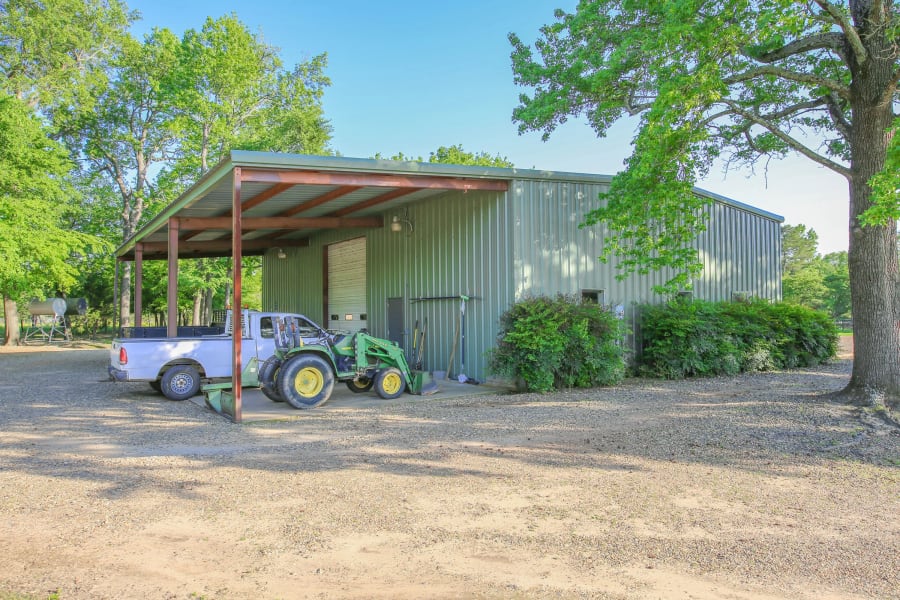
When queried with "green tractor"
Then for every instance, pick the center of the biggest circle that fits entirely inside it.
(303, 372)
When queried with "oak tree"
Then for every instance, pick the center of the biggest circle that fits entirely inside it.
(38, 247)
(742, 81)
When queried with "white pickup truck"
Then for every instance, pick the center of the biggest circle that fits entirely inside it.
(177, 366)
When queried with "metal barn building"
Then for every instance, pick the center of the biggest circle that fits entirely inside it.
(383, 245)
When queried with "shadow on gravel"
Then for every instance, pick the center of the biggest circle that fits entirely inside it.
(61, 418)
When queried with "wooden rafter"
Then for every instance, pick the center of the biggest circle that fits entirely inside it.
(216, 248)
(332, 195)
(373, 202)
(256, 200)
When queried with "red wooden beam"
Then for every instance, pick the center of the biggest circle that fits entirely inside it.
(219, 247)
(254, 223)
(375, 180)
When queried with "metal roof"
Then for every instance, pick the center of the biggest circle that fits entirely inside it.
(285, 198)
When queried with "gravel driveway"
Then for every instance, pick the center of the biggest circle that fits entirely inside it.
(755, 486)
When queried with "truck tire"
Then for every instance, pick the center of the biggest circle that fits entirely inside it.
(305, 381)
(267, 375)
(180, 382)
(360, 384)
(389, 383)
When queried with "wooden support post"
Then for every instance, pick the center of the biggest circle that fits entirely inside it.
(172, 288)
(138, 284)
(237, 327)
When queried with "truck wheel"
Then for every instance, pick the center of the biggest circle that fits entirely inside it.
(267, 376)
(180, 382)
(360, 384)
(389, 383)
(305, 381)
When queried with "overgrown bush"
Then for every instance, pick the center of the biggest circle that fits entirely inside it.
(89, 324)
(688, 339)
(552, 343)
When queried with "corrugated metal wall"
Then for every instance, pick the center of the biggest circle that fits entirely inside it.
(460, 244)
(741, 252)
(552, 254)
(481, 245)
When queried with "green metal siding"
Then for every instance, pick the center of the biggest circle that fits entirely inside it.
(502, 247)
(460, 244)
(740, 249)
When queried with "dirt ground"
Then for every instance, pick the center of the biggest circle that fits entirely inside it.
(751, 487)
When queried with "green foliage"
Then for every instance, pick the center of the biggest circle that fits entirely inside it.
(456, 155)
(232, 92)
(886, 185)
(799, 247)
(552, 343)
(811, 280)
(698, 339)
(37, 243)
(739, 81)
(90, 324)
(54, 52)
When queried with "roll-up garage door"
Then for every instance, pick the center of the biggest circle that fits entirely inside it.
(347, 285)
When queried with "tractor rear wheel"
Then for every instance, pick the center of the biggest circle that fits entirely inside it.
(389, 383)
(360, 384)
(267, 376)
(305, 381)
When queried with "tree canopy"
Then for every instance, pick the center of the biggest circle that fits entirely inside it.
(743, 82)
(457, 155)
(819, 282)
(37, 242)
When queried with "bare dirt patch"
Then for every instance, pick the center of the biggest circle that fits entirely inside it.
(750, 487)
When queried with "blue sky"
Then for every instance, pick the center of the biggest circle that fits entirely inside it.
(412, 76)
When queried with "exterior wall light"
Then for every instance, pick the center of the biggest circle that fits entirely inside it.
(279, 252)
(397, 222)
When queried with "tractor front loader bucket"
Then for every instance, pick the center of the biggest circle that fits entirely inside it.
(421, 383)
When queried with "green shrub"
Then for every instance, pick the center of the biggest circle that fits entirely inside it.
(700, 338)
(552, 343)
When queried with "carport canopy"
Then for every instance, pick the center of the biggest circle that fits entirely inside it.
(281, 200)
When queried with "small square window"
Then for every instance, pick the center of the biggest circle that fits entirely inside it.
(595, 296)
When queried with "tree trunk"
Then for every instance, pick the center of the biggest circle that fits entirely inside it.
(11, 314)
(208, 294)
(125, 300)
(874, 277)
(198, 301)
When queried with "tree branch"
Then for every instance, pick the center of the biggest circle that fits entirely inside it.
(837, 116)
(813, 80)
(859, 50)
(821, 41)
(791, 142)
(892, 88)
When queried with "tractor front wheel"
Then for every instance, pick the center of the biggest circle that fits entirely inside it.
(305, 381)
(360, 385)
(389, 383)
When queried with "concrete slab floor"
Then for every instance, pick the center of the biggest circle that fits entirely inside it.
(255, 406)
